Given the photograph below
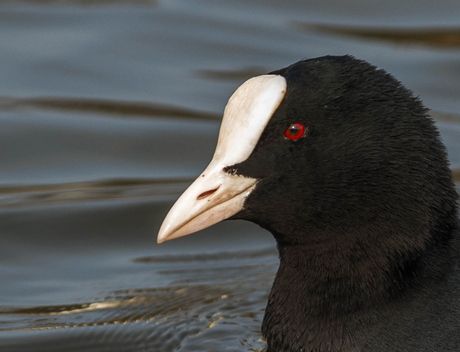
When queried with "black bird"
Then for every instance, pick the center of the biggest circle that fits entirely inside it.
(345, 168)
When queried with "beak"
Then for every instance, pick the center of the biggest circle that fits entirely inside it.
(214, 196)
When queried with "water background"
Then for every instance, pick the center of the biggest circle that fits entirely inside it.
(109, 109)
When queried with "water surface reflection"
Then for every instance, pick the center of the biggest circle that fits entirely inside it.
(110, 108)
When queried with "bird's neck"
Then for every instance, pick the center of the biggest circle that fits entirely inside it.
(322, 296)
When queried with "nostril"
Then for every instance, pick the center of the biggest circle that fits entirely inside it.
(206, 194)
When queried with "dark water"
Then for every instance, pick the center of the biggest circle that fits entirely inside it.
(109, 109)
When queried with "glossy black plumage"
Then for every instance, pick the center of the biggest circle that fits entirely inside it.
(364, 212)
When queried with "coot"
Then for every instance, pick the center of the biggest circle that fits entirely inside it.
(345, 168)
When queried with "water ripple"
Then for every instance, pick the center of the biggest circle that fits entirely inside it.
(33, 195)
(203, 257)
(231, 75)
(124, 109)
(197, 313)
(84, 2)
(436, 36)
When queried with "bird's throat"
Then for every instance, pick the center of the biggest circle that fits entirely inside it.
(321, 297)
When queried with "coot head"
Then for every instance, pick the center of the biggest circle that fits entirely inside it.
(345, 168)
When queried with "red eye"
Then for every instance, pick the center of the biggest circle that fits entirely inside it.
(295, 131)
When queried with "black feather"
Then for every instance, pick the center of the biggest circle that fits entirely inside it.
(364, 212)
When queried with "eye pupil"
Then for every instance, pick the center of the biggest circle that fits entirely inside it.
(295, 131)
